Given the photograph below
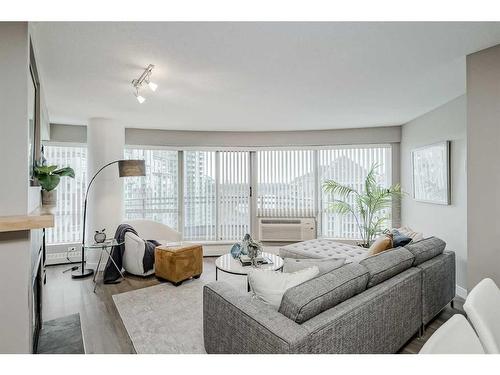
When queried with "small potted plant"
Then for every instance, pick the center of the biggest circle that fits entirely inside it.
(48, 176)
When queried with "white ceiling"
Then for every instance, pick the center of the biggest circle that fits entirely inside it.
(255, 76)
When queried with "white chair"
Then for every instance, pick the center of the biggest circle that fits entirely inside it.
(455, 336)
(135, 247)
(483, 310)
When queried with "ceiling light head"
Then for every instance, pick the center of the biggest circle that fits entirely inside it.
(144, 78)
(153, 86)
(141, 99)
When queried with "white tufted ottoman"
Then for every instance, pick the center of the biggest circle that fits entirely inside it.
(323, 248)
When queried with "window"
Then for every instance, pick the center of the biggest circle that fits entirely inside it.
(154, 196)
(215, 189)
(233, 195)
(349, 166)
(199, 196)
(286, 183)
(70, 193)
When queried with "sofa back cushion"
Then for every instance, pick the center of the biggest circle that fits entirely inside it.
(311, 298)
(387, 264)
(426, 249)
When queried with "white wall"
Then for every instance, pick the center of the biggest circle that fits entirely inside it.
(447, 122)
(483, 144)
(15, 254)
(177, 138)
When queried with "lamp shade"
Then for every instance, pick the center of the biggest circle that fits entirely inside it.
(131, 168)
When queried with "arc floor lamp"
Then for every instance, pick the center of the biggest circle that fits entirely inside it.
(126, 168)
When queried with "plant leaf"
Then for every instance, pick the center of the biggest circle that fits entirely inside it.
(67, 171)
(45, 169)
(331, 186)
(49, 182)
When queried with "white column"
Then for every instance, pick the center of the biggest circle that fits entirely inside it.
(105, 143)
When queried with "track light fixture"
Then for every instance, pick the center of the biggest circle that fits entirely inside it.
(139, 83)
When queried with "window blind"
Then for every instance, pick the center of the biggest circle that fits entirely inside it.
(70, 193)
(349, 166)
(286, 183)
(233, 195)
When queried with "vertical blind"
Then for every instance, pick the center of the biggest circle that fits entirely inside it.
(70, 193)
(286, 183)
(200, 195)
(233, 195)
(348, 166)
(154, 196)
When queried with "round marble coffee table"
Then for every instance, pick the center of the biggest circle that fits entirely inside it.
(228, 264)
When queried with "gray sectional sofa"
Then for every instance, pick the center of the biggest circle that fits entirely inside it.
(374, 305)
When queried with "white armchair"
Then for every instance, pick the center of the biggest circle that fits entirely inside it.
(483, 310)
(135, 247)
(455, 336)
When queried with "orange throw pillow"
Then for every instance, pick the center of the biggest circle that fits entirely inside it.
(382, 243)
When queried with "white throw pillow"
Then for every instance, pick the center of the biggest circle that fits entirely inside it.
(324, 265)
(407, 231)
(269, 286)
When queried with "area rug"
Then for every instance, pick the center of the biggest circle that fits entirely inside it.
(61, 336)
(168, 319)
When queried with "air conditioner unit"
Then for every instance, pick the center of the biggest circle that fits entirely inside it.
(284, 230)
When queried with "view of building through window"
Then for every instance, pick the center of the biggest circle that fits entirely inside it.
(200, 196)
(154, 196)
(216, 188)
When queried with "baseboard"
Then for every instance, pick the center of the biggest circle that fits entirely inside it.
(461, 292)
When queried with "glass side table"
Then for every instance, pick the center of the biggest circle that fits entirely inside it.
(106, 247)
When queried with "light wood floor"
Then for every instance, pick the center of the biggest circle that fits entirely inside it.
(103, 330)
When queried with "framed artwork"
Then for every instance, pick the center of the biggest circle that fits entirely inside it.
(32, 92)
(431, 173)
(34, 143)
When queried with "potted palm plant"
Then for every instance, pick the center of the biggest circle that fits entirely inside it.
(369, 205)
(49, 176)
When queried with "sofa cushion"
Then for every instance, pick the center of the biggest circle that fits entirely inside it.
(387, 264)
(269, 286)
(323, 248)
(426, 249)
(324, 265)
(311, 298)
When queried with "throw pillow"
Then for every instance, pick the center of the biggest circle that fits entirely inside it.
(407, 231)
(324, 265)
(399, 239)
(382, 243)
(269, 286)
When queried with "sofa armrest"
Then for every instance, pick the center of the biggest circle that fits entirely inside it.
(234, 322)
(438, 284)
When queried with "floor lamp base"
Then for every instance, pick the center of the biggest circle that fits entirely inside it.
(80, 274)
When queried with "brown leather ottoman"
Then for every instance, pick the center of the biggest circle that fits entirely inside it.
(178, 262)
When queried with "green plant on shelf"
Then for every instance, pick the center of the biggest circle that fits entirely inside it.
(49, 176)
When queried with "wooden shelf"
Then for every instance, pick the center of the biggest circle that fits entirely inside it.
(40, 218)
